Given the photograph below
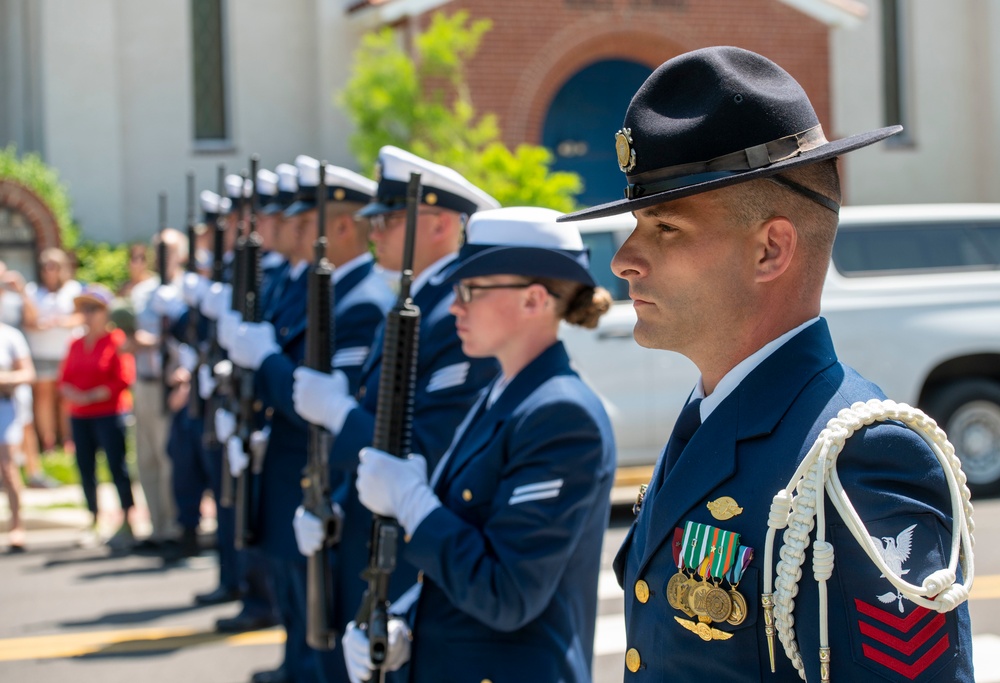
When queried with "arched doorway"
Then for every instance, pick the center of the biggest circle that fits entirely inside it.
(581, 122)
(27, 226)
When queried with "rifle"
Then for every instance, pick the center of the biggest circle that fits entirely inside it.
(320, 635)
(214, 355)
(161, 265)
(194, 400)
(243, 379)
(393, 426)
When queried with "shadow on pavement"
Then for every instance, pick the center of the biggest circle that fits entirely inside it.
(145, 647)
(135, 617)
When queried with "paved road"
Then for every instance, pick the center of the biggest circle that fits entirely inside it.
(68, 613)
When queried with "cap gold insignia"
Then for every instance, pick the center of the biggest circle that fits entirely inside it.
(378, 171)
(624, 149)
(339, 194)
(703, 630)
(724, 508)
(430, 198)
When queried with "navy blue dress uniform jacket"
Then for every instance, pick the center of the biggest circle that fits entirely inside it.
(747, 449)
(511, 560)
(361, 300)
(448, 383)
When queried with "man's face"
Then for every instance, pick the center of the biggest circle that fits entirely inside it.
(690, 271)
(388, 233)
(286, 235)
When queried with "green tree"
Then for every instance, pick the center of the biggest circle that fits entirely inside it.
(98, 261)
(422, 103)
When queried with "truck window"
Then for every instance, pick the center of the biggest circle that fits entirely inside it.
(861, 250)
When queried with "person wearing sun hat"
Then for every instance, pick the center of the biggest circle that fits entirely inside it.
(736, 193)
(507, 528)
(94, 378)
(447, 380)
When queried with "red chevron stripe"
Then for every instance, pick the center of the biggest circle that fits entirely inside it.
(906, 647)
(903, 624)
(910, 671)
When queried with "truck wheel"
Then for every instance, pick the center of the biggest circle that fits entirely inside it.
(969, 411)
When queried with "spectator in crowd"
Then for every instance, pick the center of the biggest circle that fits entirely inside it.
(138, 269)
(12, 288)
(153, 305)
(15, 370)
(94, 379)
(49, 324)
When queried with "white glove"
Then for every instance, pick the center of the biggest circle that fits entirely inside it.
(193, 288)
(252, 343)
(166, 301)
(187, 357)
(229, 321)
(395, 487)
(216, 300)
(225, 424)
(238, 460)
(309, 533)
(206, 382)
(321, 398)
(358, 657)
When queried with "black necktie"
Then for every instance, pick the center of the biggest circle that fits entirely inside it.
(687, 424)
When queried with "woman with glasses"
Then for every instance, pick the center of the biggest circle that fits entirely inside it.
(94, 379)
(138, 269)
(49, 325)
(507, 529)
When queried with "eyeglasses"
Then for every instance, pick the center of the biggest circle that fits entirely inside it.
(90, 308)
(51, 265)
(464, 292)
(383, 222)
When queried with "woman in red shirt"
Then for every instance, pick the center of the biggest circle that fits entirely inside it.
(94, 379)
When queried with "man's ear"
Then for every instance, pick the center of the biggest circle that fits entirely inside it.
(777, 241)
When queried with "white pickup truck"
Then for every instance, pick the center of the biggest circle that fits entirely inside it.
(913, 302)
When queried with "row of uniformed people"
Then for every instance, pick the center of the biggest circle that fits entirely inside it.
(506, 502)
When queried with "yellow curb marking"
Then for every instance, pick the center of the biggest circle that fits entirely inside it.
(64, 645)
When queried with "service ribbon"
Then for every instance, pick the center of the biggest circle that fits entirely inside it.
(704, 541)
(743, 557)
(676, 546)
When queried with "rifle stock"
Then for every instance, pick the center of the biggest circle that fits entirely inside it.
(320, 634)
(161, 265)
(194, 317)
(393, 430)
(244, 385)
(214, 355)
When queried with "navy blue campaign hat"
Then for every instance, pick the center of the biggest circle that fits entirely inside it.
(717, 117)
(212, 206)
(288, 187)
(521, 240)
(440, 186)
(342, 185)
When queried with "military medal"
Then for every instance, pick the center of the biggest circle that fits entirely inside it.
(677, 580)
(712, 551)
(718, 604)
(739, 604)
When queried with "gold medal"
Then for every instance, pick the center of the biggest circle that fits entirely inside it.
(739, 611)
(724, 508)
(718, 604)
(697, 599)
(683, 593)
(674, 589)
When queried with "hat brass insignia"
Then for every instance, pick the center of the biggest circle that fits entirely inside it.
(378, 171)
(624, 149)
(724, 508)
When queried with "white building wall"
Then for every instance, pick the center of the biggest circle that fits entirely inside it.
(118, 100)
(953, 87)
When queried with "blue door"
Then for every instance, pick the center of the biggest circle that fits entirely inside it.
(581, 123)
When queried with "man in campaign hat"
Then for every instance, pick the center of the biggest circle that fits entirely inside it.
(447, 381)
(735, 191)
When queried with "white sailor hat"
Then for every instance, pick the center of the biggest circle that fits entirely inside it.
(521, 240)
(288, 187)
(267, 190)
(342, 185)
(234, 182)
(212, 205)
(439, 185)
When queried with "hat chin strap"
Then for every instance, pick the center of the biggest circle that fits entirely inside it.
(818, 474)
(804, 191)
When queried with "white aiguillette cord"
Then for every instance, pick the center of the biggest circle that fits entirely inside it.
(818, 474)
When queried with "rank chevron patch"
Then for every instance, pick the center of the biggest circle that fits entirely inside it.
(899, 638)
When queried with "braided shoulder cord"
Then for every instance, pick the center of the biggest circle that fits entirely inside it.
(801, 504)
